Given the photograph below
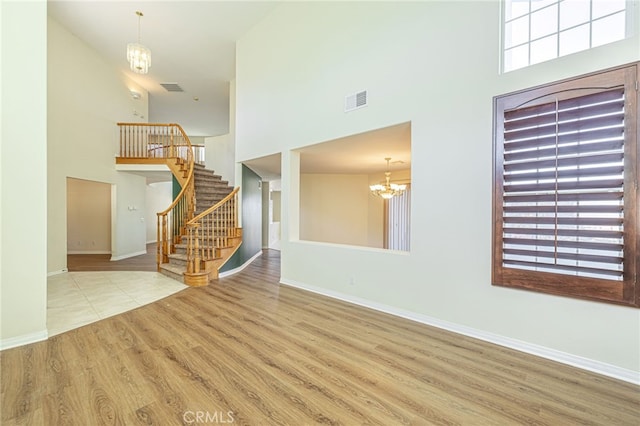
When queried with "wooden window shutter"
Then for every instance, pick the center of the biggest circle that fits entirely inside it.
(565, 188)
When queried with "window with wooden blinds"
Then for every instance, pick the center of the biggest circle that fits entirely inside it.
(565, 188)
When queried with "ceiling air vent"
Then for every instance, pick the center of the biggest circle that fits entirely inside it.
(355, 101)
(172, 87)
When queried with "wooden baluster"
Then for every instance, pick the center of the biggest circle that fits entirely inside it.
(190, 266)
(203, 242)
(163, 139)
(225, 218)
(212, 232)
(149, 148)
(223, 224)
(171, 141)
(204, 247)
(235, 214)
(135, 141)
(214, 240)
(159, 242)
(196, 260)
(227, 222)
(127, 138)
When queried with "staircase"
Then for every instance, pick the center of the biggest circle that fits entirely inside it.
(199, 231)
(210, 189)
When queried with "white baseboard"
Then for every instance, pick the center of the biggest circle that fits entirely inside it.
(88, 252)
(152, 241)
(239, 268)
(126, 256)
(61, 271)
(14, 342)
(598, 367)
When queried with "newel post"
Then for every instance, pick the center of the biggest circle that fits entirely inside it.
(193, 249)
(164, 238)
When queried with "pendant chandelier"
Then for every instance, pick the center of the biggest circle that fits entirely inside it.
(139, 57)
(387, 190)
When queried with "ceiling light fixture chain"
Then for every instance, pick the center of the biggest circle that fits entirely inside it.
(139, 56)
(388, 190)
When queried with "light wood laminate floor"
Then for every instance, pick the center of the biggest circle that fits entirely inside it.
(249, 351)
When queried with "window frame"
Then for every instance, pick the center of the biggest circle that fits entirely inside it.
(625, 292)
(630, 28)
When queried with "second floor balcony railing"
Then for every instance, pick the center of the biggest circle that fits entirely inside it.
(147, 141)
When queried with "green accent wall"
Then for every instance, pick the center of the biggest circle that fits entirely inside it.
(251, 220)
(176, 187)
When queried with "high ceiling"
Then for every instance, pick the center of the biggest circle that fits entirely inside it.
(192, 44)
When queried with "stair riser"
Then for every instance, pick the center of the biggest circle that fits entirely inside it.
(178, 263)
(211, 178)
(214, 189)
(171, 274)
(203, 199)
(212, 192)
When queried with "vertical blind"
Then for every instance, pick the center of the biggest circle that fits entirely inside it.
(399, 221)
(563, 186)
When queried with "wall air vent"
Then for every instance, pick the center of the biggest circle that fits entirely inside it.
(172, 87)
(355, 101)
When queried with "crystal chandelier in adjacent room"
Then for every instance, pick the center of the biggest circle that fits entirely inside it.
(139, 57)
(387, 190)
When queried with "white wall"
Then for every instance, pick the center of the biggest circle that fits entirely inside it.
(336, 208)
(23, 173)
(434, 64)
(220, 156)
(221, 150)
(86, 98)
(158, 198)
(88, 217)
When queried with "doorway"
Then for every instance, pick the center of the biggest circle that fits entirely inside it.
(88, 217)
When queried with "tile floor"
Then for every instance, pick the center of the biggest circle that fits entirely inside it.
(75, 299)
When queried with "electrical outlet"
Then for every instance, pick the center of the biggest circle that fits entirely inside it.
(352, 281)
